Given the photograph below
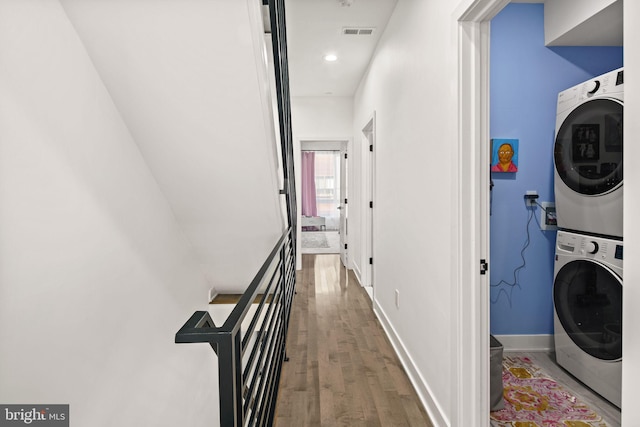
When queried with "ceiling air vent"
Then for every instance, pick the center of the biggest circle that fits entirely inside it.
(357, 31)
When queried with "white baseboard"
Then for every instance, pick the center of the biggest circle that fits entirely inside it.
(422, 388)
(526, 342)
(358, 274)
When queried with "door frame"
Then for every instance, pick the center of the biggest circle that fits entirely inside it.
(321, 144)
(368, 138)
(470, 388)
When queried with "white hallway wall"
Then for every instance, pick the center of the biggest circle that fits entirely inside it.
(320, 119)
(631, 290)
(411, 86)
(95, 275)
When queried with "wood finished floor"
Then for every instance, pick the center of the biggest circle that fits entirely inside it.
(342, 370)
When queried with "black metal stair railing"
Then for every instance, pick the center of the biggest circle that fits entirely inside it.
(251, 343)
(280, 59)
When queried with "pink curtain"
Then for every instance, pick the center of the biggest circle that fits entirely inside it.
(309, 207)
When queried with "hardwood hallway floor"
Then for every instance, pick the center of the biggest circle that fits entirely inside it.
(342, 369)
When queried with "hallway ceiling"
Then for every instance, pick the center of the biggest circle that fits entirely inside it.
(316, 28)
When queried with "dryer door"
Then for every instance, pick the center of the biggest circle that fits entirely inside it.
(588, 299)
(588, 147)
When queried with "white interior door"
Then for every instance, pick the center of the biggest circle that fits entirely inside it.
(343, 230)
(368, 203)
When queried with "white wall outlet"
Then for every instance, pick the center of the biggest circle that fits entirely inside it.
(397, 298)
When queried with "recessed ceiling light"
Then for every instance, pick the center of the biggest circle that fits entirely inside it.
(330, 57)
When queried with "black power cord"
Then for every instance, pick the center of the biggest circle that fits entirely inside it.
(516, 271)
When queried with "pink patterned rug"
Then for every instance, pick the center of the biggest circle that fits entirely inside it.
(533, 399)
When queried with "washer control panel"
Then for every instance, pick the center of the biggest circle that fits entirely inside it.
(586, 246)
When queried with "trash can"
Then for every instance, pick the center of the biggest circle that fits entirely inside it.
(495, 374)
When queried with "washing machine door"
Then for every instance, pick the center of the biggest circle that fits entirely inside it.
(588, 147)
(588, 300)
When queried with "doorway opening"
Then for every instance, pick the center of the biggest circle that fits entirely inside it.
(321, 191)
(325, 218)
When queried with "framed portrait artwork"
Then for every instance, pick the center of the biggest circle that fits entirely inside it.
(504, 155)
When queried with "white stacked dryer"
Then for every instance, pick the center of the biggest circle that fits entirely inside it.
(588, 156)
(588, 180)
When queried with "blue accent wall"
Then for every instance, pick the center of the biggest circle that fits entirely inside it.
(525, 80)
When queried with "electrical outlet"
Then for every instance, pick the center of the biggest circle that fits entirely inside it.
(397, 298)
(530, 197)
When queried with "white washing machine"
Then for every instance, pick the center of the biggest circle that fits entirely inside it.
(587, 299)
(588, 156)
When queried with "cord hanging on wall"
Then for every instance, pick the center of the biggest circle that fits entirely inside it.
(508, 292)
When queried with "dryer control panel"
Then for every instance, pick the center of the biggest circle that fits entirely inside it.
(610, 82)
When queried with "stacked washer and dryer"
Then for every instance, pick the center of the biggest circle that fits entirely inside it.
(587, 289)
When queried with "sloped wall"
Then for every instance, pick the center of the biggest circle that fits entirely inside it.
(96, 275)
(136, 172)
(189, 78)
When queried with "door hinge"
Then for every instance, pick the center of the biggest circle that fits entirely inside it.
(345, 201)
(370, 147)
(371, 205)
(370, 260)
(483, 266)
(345, 155)
(345, 246)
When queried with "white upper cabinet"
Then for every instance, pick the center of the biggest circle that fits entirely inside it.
(583, 22)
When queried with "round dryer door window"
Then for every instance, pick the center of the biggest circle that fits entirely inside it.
(588, 147)
(588, 301)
